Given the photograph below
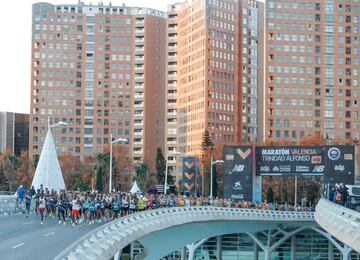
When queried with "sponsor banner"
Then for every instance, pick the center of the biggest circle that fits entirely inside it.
(238, 172)
(290, 161)
(340, 164)
(189, 174)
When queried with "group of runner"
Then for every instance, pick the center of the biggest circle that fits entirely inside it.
(85, 207)
(88, 208)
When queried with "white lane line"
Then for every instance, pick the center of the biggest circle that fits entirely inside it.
(49, 234)
(28, 223)
(17, 245)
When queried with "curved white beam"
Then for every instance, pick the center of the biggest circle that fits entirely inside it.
(340, 222)
(107, 240)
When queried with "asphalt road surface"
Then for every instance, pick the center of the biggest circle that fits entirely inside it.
(25, 238)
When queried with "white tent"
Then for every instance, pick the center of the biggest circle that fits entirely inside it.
(135, 188)
(48, 171)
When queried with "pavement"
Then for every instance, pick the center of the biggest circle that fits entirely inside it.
(26, 238)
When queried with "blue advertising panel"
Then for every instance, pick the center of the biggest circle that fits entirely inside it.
(290, 161)
(189, 174)
(340, 164)
(238, 170)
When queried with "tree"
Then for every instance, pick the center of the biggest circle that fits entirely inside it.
(140, 176)
(102, 162)
(160, 164)
(9, 165)
(269, 195)
(99, 179)
(315, 139)
(207, 147)
(25, 170)
(207, 143)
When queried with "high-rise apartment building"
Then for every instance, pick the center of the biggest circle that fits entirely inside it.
(14, 133)
(312, 69)
(171, 127)
(214, 67)
(101, 69)
(217, 63)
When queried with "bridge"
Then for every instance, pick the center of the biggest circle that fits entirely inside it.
(187, 227)
(183, 226)
(340, 222)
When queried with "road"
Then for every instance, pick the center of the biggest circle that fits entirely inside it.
(25, 238)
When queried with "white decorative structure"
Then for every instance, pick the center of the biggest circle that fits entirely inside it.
(135, 188)
(48, 171)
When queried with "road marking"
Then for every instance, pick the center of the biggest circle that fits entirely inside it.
(49, 234)
(17, 245)
(28, 223)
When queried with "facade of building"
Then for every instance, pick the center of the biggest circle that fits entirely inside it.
(312, 77)
(217, 68)
(214, 68)
(14, 133)
(101, 69)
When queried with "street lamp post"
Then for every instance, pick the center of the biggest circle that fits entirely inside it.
(211, 174)
(167, 167)
(121, 141)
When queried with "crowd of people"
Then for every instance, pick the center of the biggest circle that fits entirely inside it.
(339, 194)
(88, 208)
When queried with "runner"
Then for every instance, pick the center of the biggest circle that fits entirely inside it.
(42, 205)
(28, 202)
(91, 210)
(75, 212)
(61, 208)
(115, 208)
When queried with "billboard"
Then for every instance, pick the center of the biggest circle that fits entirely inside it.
(290, 161)
(189, 174)
(340, 164)
(238, 161)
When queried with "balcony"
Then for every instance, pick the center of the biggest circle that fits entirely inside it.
(139, 86)
(139, 40)
(139, 59)
(139, 49)
(139, 31)
(139, 22)
(139, 114)
(172, 57)
(172, 20)
(139, 67)
(139, 78)
(138, 96)
(140, 133)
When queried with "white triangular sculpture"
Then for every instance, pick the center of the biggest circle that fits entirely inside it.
(48, 171)
(135, 188)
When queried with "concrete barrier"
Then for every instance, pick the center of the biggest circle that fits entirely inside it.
(8, 206)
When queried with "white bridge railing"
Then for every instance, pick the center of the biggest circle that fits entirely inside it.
(340, 222)
(105, 241)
